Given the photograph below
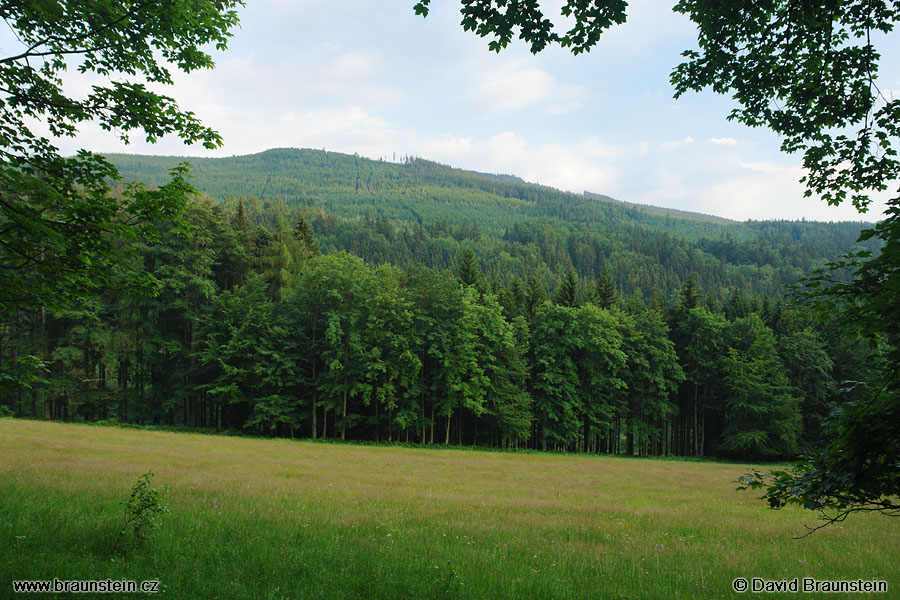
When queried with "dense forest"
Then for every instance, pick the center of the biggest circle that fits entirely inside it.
(313, 294)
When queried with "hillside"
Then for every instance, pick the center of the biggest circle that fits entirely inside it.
(415, 191)
(660, 210)
(514, 226)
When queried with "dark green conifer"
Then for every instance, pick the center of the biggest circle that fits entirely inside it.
(606, 295)
(567, 292)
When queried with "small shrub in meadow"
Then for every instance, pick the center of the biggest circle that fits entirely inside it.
(143, 510)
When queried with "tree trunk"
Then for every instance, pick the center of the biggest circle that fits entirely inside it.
(696, 432)
(377, 425)
(315, 399)
(122, 385)
(344, 413)
(703, 422)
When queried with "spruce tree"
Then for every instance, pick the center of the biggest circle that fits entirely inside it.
(606, 295)
(468, 271)
(304, 233)
(567, 292)
(689, 297)
(535, 295)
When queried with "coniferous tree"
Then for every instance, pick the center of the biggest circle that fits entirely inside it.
(699, 343)
(762, 416)
(652, 379)
(567, 292)
(606, 295)
(304, 233)
(809, 372)
(556, 340)
(535, 295)
(468, 271)
(600, 362)
(689, 297)
(514, 299)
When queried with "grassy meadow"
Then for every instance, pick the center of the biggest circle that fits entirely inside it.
(279, 519)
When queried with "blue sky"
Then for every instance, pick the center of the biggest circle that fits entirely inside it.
(374, 78)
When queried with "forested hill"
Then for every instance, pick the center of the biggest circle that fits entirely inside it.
(420, 212)
(412, 191)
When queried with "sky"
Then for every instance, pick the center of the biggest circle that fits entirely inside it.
(376, 79)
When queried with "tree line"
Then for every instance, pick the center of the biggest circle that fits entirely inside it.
(257, 330)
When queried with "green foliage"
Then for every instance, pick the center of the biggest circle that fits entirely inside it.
(763, 417)
(526, 20)
(437, 308)
(606, 295)
(393, 365)
(689, 297)
(345, 349)
(601, 363)
(567, 292)
(556, 341)
(857, 470)
(468, 271)
(809, 74)
(63, 235)
(143, 510)
(255, 328)
(809, 371)
(249, 356)
(652, 377)
(24, 372)
(426, 214)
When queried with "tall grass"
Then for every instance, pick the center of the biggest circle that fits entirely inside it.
(285, 519)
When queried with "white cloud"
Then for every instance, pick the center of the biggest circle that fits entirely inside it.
(515, 86)
(723, 141)
(718, 181)
(674, 145)
(585, 165)
(322, 78)
(768, 168)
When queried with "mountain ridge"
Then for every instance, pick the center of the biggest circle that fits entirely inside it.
(155, 168)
